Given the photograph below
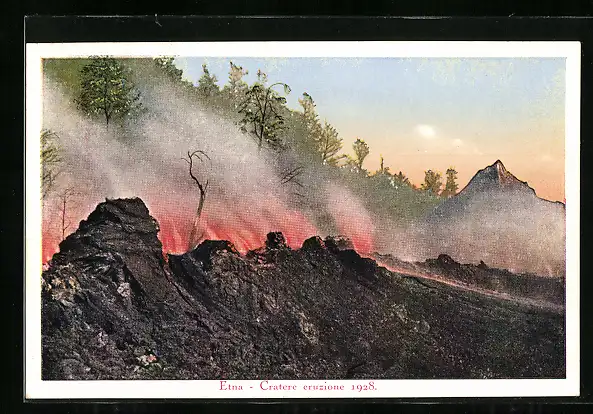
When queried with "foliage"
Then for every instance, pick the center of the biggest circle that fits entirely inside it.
(65, 72)
(106, 90)
(261, 112)
(314, 145)
(50, 161)
(401, 179)
(310, 120)
(166, 64)
(432, 182)
(329, 144)
(451, 186)
(236, 89)
(207, 86)
(361, 150)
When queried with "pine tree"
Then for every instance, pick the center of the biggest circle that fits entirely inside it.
(207, 86)
(310, 115)
(400, 178)
(451, 186)
(311, 122)
(432, 182)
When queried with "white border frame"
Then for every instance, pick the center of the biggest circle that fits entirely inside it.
(35, 388)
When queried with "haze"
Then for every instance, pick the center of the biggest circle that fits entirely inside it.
(432, 113)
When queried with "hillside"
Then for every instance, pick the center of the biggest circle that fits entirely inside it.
(114, 308)
(500, 220)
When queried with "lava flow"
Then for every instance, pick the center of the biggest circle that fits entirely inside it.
(245, 226)
(245, 230)
(487, 292)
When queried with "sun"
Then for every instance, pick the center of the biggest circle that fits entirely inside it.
(426, 131)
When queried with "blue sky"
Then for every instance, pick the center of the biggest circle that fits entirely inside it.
(431, 113)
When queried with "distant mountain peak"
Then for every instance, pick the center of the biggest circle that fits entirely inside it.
(495, 177)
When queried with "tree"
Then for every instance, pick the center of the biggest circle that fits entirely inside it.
(382, 169)
(107, 91)
(50, 161)
(291, 175)
(361, 150)
(261, 111)
(167, 66)
(400, 178)
(451, 186)
(329, 143)
(165, 63)
(66, 198)
(236, 89)
(203, 188)
(432, 182)
(310, 118)
(207, 86)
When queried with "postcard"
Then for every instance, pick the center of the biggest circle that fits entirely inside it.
(302, 220)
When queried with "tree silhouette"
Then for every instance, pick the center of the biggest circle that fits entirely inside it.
(382, 169)
(451, 186)
(361, 150)
(313, 127)
(198, 155)
(432, 182)
(207, 86)
(329, 143)
(400, 178)
(66, 197)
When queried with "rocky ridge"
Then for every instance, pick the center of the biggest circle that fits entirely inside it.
(114, 308)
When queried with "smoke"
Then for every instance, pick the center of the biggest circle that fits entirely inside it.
(509, 230)
(352, 219)
(246, 197)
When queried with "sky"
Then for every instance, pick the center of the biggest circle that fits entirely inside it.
(422, 114)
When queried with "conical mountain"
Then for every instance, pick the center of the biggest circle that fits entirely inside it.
(495, 177)
(499, 219)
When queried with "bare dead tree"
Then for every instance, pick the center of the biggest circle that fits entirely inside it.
(291, 175)
(65, 198)
(203, 188)
(50, 161)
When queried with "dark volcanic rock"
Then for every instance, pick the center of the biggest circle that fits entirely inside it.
(522, 285)
(336, 243)
(113, 308)
(313, 243)
(276, 240)
(445, 261)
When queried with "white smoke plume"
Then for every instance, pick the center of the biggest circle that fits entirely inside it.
(246, 198)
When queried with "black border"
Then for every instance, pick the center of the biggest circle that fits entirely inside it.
(45, 29)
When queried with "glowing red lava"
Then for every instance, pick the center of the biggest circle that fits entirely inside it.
(244, 226)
